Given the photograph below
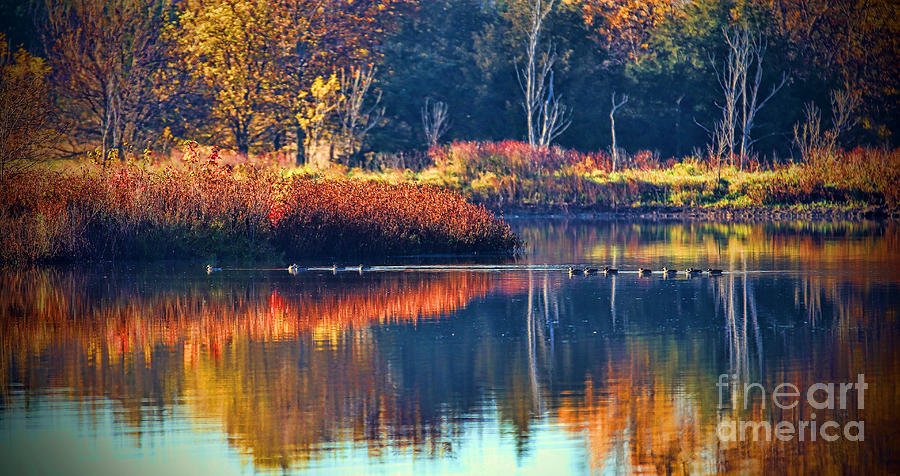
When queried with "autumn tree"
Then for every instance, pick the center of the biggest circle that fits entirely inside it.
(314, 119)
(624, 27)
(359, 109)
(854, 45)
(234, 48)
(109, 61)
(260, 58)
(324, 37)
(24, 110)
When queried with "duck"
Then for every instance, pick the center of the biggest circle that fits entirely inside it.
(573, 271)
(334, 269)
(608, 270)
(713, 272)
(293, 269)
(669, 272)
(210, 269)
(591, 270)
(644, 271)
(691, 271)
(361, 268)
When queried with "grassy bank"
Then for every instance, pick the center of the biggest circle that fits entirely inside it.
(510, 176)
(201, 208)
(204, 205)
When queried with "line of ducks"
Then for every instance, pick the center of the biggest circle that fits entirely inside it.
(573, 271)
(295, 269)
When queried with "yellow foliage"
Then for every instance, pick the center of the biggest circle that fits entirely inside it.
(323, 97)
(24, 105)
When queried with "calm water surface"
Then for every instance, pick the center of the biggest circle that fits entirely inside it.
(165, 369)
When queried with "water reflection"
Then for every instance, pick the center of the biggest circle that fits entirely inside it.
(460, 371)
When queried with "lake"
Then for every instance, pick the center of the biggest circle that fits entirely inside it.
(787, 362)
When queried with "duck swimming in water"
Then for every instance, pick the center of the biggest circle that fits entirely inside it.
(573, 271)
(644, 271)
(210, 269)
(293, 269)
(691, 271)
(669, 272)
(608, 270)
(713, 272)
(591, 270)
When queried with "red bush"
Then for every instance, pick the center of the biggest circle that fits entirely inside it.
(340, 217)
(205, 208)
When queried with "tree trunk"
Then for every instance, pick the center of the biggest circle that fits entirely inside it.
(301, 138)
(615, 150)
(612, 126)
(243, 143)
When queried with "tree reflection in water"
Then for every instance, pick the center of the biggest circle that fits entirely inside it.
(410, 363)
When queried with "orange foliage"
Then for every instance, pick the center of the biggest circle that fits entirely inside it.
(205, 208)
(856, 40)
(624, 26)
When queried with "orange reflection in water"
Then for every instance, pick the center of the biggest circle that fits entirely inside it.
(845, 249)
(276, 367)
(297, 371)
(45, 308)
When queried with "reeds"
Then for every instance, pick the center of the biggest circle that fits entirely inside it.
(200, 208)
(510, 173)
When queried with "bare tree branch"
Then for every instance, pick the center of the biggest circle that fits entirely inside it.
(434, 121)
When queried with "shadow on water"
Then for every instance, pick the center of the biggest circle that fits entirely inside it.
(468, 370)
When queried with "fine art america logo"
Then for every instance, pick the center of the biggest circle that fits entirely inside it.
(787, 396)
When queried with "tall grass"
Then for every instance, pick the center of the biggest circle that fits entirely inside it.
(200, 208)
(510, 174)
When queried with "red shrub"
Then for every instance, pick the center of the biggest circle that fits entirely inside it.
(340, 217)
(205, 208)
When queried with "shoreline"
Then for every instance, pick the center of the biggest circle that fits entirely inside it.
(662, 213)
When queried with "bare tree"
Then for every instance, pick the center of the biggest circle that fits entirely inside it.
(434, 121)
(612, 125)
(729, 80)
(741, 79)
(843, 118)
(555, 117)
(808, 134)
(751, 101)
(357, 119)
(546, 116)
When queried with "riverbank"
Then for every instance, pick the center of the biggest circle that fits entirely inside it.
(512, 178)
(823, 212)
(204, 205)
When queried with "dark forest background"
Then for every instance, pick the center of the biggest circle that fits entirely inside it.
(465, 53)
